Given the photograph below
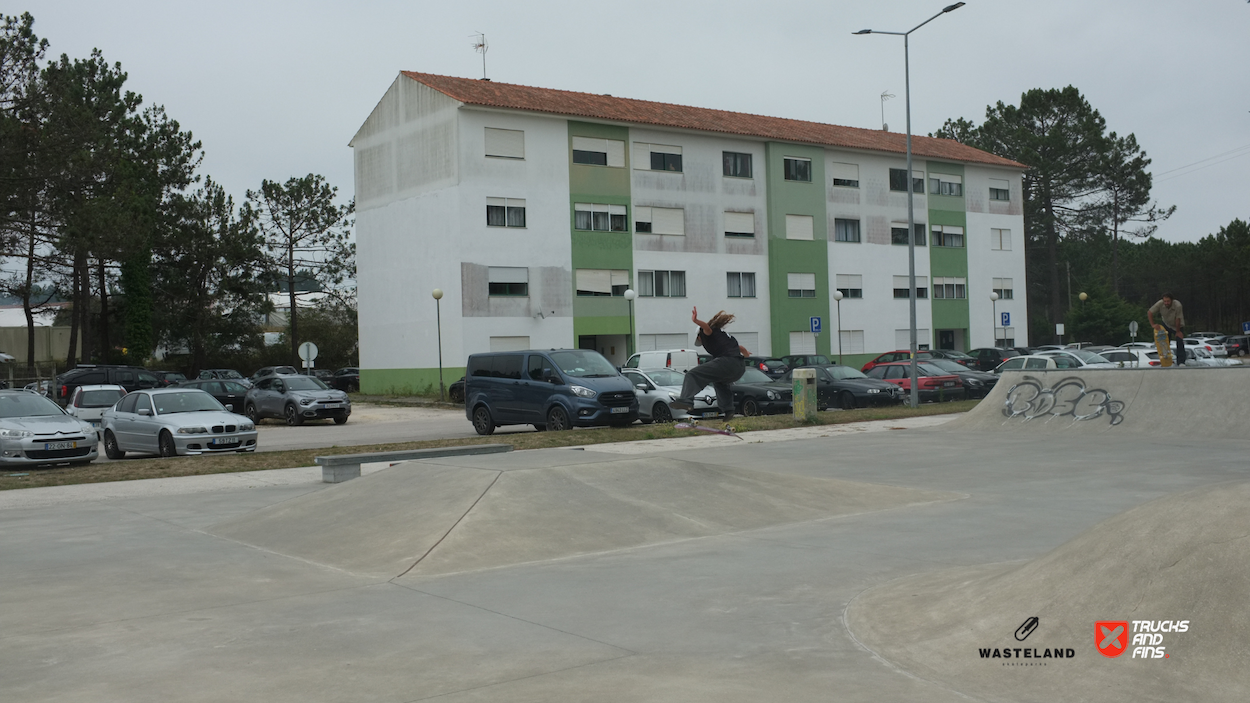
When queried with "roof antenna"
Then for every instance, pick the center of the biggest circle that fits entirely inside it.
(480, 45)
(885, 95)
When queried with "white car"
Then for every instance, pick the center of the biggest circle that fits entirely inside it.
(89, 402)
(1028, 362)
(1132, 358)
(658, 388)
(1138, 345)
(1077, 359)
(673, 359)
(1199, 356)
(1211, 345)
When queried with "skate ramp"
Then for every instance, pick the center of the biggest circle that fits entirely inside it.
(1182, 557)
(424, 518)
(1181, 403)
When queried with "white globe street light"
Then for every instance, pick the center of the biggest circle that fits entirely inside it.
(437, 293)
(994, 327)
(837, 298)
(630, 295)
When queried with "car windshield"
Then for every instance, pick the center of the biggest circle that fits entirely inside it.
(101, 398)
(664, 377)
(583, 363)
(305, 383)
(27, 405)
(947, 364)
(184, 402)
(953, 354)
(1087, 357)
(927, 368)
(840, 373)
(175, 376)
(754, 376)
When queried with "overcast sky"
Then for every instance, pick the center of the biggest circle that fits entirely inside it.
(276, 89)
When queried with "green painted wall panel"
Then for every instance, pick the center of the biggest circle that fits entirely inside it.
(949, 315)
(603, 250)
(789, 256)
(948, 261)
(599, 250)
(406, 381)
(601, 306)
(600, 325)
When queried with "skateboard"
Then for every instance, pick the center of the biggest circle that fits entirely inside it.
(1163, 346)
(728, 431)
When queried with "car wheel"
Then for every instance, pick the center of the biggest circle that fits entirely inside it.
(250, 411)
(456, 395)
(340, 420)
(750, 407)
(293, 417)
(846, 400)
(483, 423)
(166, 444)
(557, 419)
(111, 450)
(661, 413)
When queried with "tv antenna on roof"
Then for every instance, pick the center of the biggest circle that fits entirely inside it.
(480, 45)
(885, 95)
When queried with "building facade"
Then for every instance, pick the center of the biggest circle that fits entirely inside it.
(534, 210)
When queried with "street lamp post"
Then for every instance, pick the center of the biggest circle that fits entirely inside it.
(438, 315)
(994, 327)
(837, 298)
(630, 295)
(911, 215)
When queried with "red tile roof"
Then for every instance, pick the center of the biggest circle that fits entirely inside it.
(562, 102)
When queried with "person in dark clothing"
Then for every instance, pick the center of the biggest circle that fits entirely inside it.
(725, 367)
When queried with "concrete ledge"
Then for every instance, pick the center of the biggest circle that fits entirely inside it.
(344, 467)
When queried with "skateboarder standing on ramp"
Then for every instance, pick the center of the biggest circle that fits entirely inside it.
(1173, 320)
(725, 367)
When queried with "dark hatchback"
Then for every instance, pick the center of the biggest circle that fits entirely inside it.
(771, 367)
(227, 392)
(757, 394)
(346, 379)
(847, 388)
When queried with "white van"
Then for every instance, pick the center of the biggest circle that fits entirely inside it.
(675, 359)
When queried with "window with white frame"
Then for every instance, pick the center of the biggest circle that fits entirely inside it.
(598, 217)
(850, 284)
(800, 227)
(739, 224)
(1003, 287)
(802, 343)
(505, 143)
(852, 342)
(902, 339)
(660, 220)
(845, 230)
(1000, 239)
(505, 212)
(1000, 189)
(947, 236)
(602, 282)
(662, 284)
(599, 152)
(736, 164)
(801, 285)
(950, 288)
(657, 157)
(845, 175)
(898, 233)
(898, 180)
(946, 184)
(508, 281)
(900, 287)
(741, 284)
(798, 169)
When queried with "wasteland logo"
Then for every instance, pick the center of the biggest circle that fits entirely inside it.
(1025, 656)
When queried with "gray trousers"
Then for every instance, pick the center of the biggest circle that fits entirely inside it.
(720, 372)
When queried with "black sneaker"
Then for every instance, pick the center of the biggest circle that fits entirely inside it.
(680, 404)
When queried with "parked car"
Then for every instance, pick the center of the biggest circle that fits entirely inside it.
(847, 388)
(657, 388)
(174, 422)
(132, 378)
(1132, 358)
(296, 398)
(555, 389)
(264, 371)
(977, 384)
(793, 360)
(674, 359)
(1210, 344)
(934, 384)
(164, 379)
(89, 402)
(228, 374)
(1028, 362)
(346, 379)
(455, 392)
(772, 368)
(989, 358)
(1138, 345)
(323, 374)
(34, 431)
(232, 394)
(1077, 359)
(921, 355)
(1237, 345)
(757, 394)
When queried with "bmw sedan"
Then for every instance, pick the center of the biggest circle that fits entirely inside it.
(34, 430)
(172, 422)
(296, 398)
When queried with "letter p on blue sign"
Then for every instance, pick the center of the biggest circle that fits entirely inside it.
(1006, 319)
(815, 325)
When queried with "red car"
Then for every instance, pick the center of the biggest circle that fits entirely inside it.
(904, 355)
(935, 383)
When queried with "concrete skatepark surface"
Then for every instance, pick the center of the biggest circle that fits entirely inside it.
(785, 584)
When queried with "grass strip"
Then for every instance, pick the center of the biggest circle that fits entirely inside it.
(134, 469)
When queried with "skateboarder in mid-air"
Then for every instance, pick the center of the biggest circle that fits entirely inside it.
(1173, 320)
(726, 366)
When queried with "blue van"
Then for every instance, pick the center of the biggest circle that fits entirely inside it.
(557, 389)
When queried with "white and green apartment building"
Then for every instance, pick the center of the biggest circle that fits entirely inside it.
(533, 210)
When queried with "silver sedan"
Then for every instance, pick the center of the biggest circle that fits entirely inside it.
(657, 388)
(35, 430)
(174, 421)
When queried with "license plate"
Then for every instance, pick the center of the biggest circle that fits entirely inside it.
(223, 443)
(710, 414)
(333, 405)
(95, 423)
(948, 384)
(53, 446)
(618, 411)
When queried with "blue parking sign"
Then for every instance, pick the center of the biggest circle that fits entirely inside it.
(815, 325)
(1006, 319)
(1245, 327)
